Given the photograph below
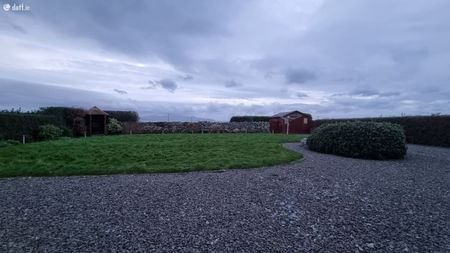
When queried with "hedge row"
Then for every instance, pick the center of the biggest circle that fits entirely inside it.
(14, 125)
(124, 116)
(425, 130)
(250, 119)
(73, 118)
(357, 139)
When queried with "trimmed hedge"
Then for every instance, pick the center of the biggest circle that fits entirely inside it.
(14, 125)
(424, 130)
(357, 139)
(72, 117)
(250, 119)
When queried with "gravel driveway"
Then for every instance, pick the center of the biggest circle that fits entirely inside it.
(322, 204)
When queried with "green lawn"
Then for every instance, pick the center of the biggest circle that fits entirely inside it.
(145, 153)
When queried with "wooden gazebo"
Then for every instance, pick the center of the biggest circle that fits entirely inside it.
(96, 121)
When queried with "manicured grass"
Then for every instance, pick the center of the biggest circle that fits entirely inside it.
(145, 153)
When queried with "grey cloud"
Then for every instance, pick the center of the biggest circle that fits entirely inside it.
(232, 83)
(156, 28)
(31, 96)
(167, 84)
(13, 26)
(299, 76)
(390, 94)
(121, 92)
(365, 92)
(301, 95)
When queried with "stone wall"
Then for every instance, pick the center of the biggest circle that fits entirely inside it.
(197, 127)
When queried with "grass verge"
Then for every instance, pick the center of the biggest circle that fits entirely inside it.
(145, 154)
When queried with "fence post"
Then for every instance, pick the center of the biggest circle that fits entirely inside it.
(23, 139)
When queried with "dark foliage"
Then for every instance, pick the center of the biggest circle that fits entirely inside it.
(73, 118)
(368, 140)
(250, 119)
(426, 130)
(14, 125)
(124, 116)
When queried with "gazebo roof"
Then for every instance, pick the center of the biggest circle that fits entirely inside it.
(284, 114)
(96, 111)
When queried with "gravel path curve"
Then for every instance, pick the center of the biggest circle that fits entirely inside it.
(322, 204)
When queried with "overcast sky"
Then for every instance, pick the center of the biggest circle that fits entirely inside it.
(213, 59)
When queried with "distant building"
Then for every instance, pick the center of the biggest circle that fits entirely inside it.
(293, 122)
(96, 121)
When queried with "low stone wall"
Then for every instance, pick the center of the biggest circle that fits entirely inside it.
(197, 127)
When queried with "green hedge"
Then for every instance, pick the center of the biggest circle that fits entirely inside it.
(424, 130)
(250, 119)
(368, 140)
(14, 125)
(124, 116)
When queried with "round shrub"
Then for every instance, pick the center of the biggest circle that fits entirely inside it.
(114, 126)
(49, 132)
(367, 140)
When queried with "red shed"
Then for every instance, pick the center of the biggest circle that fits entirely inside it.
(294, 122)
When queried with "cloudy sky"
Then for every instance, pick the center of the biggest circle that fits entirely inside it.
(213, 59)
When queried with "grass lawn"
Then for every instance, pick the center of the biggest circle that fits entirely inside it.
(145, 153)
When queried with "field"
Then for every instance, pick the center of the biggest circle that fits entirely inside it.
(145, 154)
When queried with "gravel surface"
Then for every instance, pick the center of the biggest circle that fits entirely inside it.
(322, 204)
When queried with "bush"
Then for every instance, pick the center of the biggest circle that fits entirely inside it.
(425, 130)
(368, 140)
(50, 132)
(114, 126)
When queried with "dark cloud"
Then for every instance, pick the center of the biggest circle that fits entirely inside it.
(299, 76)
(121, 92)
(232, 83)
(301, 95)
(141, 28)
(167, 84)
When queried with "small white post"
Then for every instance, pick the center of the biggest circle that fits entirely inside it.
(287, 130)
(85, 134)
(23, 139)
